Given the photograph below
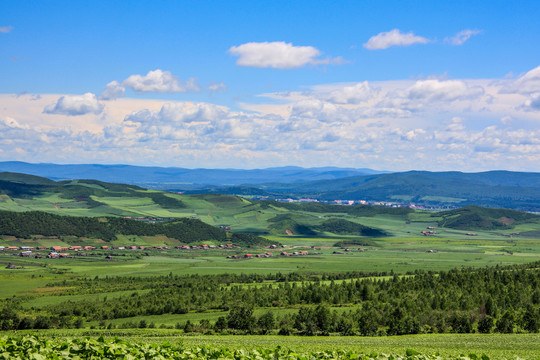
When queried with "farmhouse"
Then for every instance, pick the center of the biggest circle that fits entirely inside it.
(58, 248)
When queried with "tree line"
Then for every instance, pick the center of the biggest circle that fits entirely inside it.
(504, 299)
(186, 230)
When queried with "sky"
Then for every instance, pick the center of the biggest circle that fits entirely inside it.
(387, 85)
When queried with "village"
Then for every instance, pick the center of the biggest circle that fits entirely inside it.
(59, 252)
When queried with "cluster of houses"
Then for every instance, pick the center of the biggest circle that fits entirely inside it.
(251, 256)
(204, 247)
(62, 251)
(151, 219)
(430, 231)
(348, 250)
(296, 253)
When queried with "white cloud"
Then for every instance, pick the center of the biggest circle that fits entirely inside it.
(10, 123)
(73, 105)
(533, 103)
(423, 95)
(155, 81)
(6, 29)
(113, 90)
(159, 81)
(353, 94)
(217, 87)
(449, 90)
(526, 84)
(461, 37)
(393, 37)
(278, 55)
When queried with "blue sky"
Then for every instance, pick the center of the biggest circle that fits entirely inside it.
(395, 85)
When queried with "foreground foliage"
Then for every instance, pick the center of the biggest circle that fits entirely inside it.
(31, 347)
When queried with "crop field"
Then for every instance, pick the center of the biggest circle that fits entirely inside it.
(171, 344)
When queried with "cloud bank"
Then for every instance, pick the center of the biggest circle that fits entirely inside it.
(435, 124)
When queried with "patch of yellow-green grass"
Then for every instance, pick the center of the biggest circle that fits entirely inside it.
(55, 299)
(15, 282)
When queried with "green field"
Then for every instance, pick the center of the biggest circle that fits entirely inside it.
(445, 346)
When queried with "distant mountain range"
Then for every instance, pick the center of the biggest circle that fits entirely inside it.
(181, 178)
(506, 189)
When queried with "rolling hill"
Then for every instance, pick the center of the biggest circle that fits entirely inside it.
(478, 218)
(96, 199)
(492, 189)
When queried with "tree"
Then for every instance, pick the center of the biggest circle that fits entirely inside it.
(266, 322)
(221, 324)
(531, 319)
(485, 324)
(241, 318)
(506, 323)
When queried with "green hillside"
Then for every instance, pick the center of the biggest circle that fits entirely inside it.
(478, 218)
(26, 224)
(493, 188)
(95, 199)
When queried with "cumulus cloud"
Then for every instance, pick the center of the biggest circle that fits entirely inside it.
(113, 90)
(353, 94)
(10, 123)
(159, 81)
(461, 37)
(278, 55)
(426, 93)
(393, 37)
(526, 84)
(155, 81)
(449, 90)
(533, 103)
(6, 29)
(73, 105)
